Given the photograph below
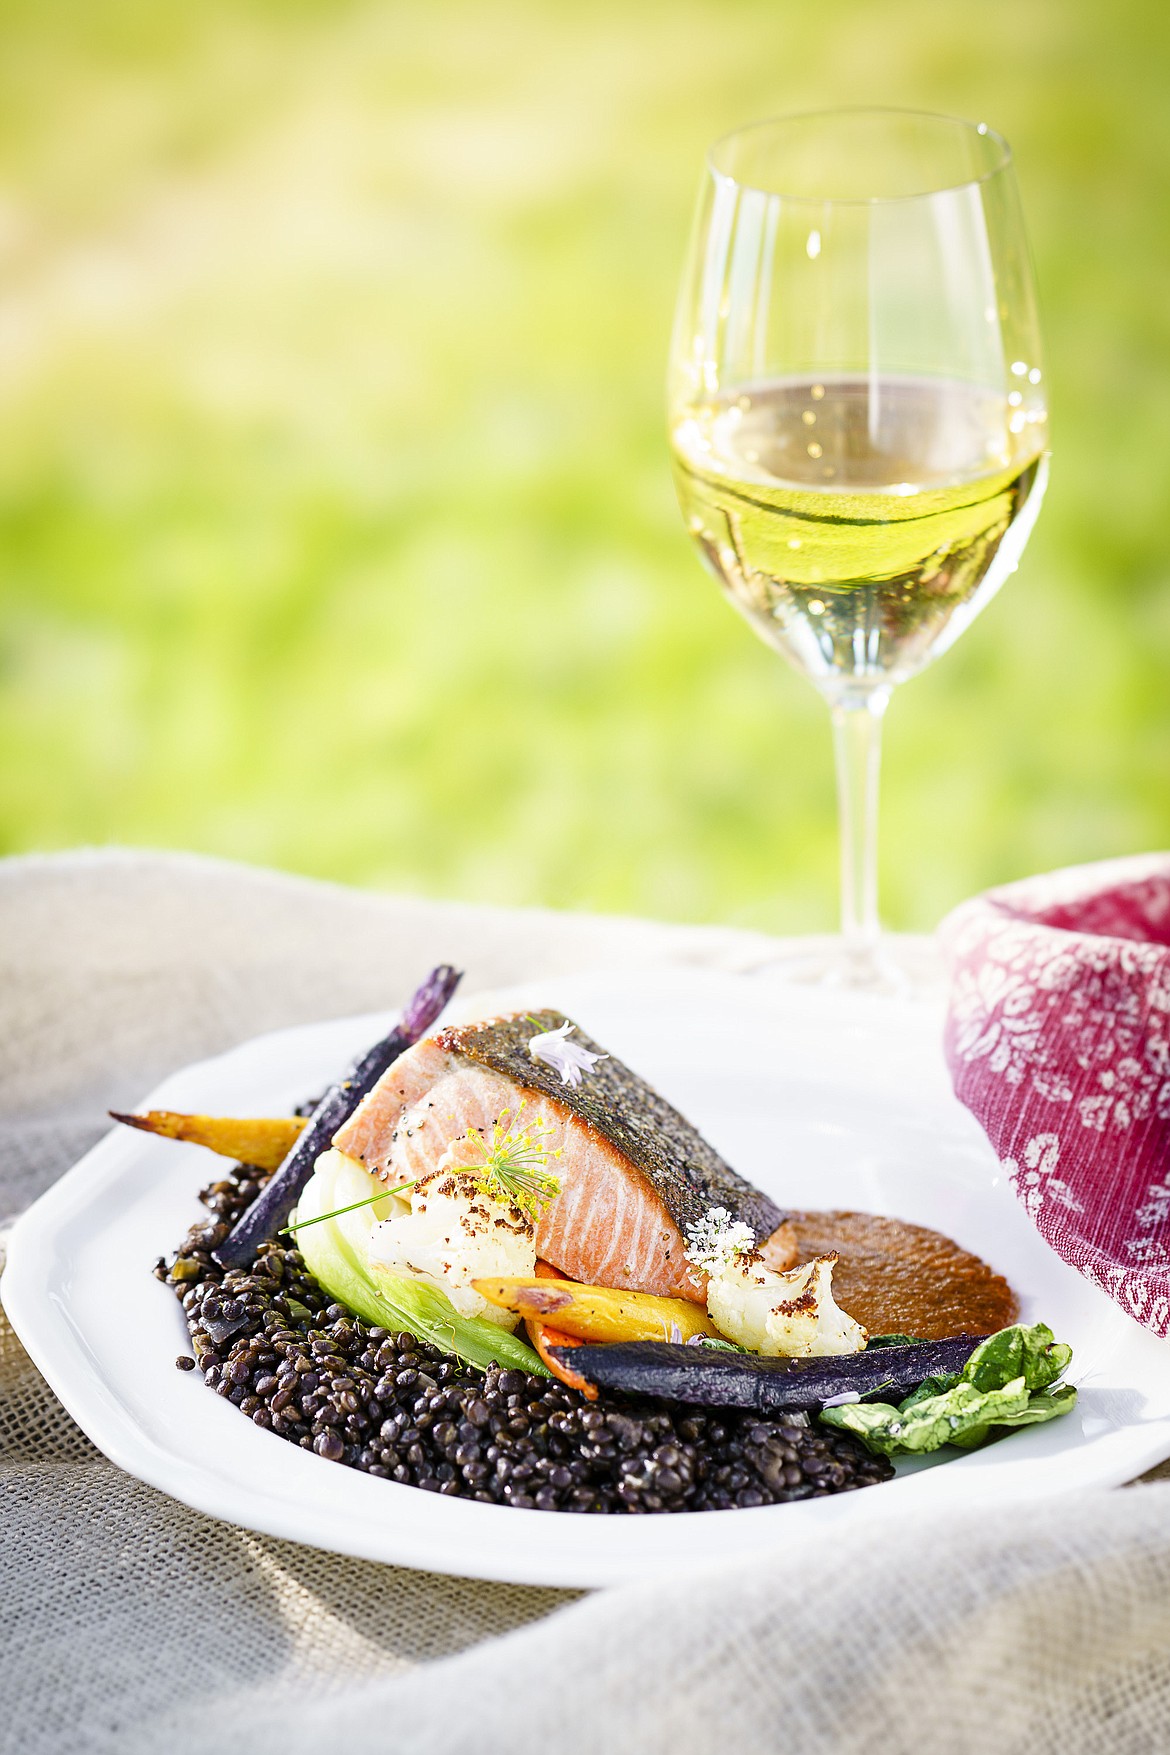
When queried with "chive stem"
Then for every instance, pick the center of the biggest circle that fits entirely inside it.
(300, 1224)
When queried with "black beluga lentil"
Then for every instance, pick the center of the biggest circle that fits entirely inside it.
(270, 1340)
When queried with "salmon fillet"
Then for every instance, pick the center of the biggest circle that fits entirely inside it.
(633, 1173)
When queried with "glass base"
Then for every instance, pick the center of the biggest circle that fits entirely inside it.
(899, 965)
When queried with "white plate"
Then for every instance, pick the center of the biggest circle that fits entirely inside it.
(822, 1099)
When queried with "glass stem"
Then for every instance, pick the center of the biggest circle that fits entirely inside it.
(857, 741)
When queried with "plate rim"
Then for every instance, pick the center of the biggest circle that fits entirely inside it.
(40, 1324)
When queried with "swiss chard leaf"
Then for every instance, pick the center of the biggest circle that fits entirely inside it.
(1008, 1381)
(1042, 1405)
(1030, 1351)
(930, 1386)
(928, 1424)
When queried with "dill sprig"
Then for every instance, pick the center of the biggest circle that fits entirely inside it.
(515, 1162)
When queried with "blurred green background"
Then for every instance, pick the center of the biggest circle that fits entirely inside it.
(336, 522)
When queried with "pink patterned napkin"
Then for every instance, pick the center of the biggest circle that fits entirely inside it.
(1058, 1040)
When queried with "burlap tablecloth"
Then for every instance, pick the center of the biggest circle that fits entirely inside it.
(133, 1624)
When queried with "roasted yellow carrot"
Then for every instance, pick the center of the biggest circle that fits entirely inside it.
(264, 1142)
(599, 1313)
(544, 1338)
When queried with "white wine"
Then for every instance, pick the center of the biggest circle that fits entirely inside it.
(860, 525)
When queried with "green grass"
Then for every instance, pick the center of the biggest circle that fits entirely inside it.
(336, 529)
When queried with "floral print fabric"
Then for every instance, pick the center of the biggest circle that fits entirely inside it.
(1058, 1041)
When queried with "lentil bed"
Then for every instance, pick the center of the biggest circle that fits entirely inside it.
(270, 1340)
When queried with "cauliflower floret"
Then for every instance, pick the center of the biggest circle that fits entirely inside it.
(454, 1234)
(792, 1314)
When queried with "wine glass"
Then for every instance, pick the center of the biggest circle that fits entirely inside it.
(857, 417)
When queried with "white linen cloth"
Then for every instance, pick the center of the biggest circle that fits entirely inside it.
(134, 1624)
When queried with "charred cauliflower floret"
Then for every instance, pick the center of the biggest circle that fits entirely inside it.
(454, 1234)
(792, 1314)
(789, 1314)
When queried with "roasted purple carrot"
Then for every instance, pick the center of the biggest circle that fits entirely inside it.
(277, 1199)
(722, 1377)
